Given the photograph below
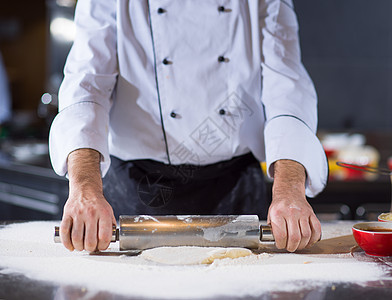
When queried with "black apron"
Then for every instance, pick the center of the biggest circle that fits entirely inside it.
(147, 187)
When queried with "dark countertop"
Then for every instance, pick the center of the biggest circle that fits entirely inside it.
(19, 287)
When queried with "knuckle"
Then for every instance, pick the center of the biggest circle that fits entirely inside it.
(106, 214)
(76, 235)
(91, 212)
(306, 235)
(295, 239)
(317, 228)
(275, 209)
(282, 236)
(77, 213)
(279, 234)
(278, 209)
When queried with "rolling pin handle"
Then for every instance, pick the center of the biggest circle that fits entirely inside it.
(266, 234)
(115, 234)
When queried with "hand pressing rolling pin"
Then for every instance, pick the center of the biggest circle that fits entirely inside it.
(179, 125)
(146, 232)
(88, 218)
(292, 219)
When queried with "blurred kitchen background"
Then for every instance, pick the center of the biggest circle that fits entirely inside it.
(346, 47)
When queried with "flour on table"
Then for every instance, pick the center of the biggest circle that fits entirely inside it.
(336, 229)
(28, 249)
(192, 255)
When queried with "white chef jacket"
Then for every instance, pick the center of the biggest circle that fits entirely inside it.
(188, 82)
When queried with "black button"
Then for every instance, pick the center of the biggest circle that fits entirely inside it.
(161, 10)
(173, 114)
(223, 59)
(222, 112)
(166, 62)
(224, 9)
(221, 9)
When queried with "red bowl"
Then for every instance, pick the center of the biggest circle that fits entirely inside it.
(375, 238)
(384, 217)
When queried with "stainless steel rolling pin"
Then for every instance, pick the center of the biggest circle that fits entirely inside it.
(144, 232)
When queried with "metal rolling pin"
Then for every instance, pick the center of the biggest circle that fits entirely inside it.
(144, 232)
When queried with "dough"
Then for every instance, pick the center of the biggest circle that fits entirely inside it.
(226, 253)
(192, 255)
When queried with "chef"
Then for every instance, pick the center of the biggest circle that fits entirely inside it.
(174, 103)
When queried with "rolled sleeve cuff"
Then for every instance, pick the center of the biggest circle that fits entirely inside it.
(81, 125)
(287, 137)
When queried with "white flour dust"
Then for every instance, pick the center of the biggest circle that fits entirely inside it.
(28, 248)
(142, 218)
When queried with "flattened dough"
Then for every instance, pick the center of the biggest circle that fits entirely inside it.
(192, 255)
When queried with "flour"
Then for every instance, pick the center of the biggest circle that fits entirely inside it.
(186, 219)
(214, 234)
(337, 228)
(142, 218)
(28, 248)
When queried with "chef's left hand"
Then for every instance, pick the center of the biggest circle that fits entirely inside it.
(294, 224)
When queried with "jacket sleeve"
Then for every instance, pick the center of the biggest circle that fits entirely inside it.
(90, 75)
(288, 96)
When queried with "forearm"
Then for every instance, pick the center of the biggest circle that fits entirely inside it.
(84, 171)
(288, 175)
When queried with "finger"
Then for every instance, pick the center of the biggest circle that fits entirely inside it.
(306, 232)
(90, 236)
(293, 234)
(77, 235)
(104, 233)
(65, 233)
(316, 230)
(279, 229)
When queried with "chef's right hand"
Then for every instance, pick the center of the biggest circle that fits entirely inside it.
(88, 218)
(87, 222)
